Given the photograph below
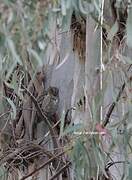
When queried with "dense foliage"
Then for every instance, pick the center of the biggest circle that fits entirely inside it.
(27, 30)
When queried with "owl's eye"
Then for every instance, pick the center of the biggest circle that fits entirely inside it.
(38, 73)
(54, 91)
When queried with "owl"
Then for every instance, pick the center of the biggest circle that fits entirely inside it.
(49, 101)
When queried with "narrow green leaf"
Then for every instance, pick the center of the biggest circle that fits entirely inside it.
(112, 31)
(129, 28)
(13, 107)
(36, 56)
(62, 123)
(63, 7)
(3, 173)
(81, 7)
(96, 4)
(13, 50)
(130, 171)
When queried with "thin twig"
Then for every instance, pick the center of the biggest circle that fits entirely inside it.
(49, 132)
(60, 171)
(112, 107)
(42, 166)
(113, 163)
(43, 117)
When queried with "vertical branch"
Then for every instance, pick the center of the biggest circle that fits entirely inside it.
(101, 53)
(92, 82)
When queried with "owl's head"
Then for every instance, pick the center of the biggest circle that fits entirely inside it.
(53, 91)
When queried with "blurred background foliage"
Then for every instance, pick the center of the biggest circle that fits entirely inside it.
(25, 34)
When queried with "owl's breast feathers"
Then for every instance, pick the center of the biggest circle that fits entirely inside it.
(49, 102)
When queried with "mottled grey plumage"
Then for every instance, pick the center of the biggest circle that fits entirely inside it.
(49, 101)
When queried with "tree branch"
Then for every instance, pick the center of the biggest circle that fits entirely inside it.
(112, 107)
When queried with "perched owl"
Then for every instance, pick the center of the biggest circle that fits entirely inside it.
(49, 101)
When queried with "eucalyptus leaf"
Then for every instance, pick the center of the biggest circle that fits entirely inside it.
(112, 31)
(129, 28)
(63, 7)
(3, 173)
(81, 160)
(0, 62)
(97, 6)
(130, 170)
(81, 7)
(13, 107)
(36, 56)
(62, 123)
(13, 50)
(68, 4)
